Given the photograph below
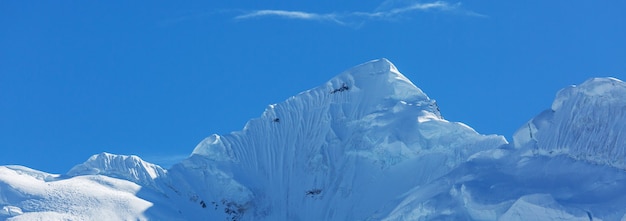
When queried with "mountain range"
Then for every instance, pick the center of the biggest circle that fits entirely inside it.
(366, 145)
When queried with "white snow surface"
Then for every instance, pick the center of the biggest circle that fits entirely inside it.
(131, 168)
(586, 122)
(366, 145)
(359, 148)
(27, 194)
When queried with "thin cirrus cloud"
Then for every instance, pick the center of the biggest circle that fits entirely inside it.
(391, 12)
(291, 15)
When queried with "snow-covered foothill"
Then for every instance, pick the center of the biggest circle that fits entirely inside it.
(27, 194)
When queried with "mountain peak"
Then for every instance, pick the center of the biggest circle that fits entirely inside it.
(583, 123)
(131, 168)
(366, 145)
(606, 89)
(381, 79)
(363, 92)
(380, 65)
(351, 135)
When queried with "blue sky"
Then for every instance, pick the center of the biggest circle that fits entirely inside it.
(82, 77)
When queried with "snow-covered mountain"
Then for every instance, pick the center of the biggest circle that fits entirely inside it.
(366, 145)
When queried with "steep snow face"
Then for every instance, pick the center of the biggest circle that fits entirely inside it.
(131, 168)
(342, 151)
(555, 169)
(585, 122)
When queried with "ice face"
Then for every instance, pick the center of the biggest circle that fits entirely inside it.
(585, 122)
(327, 153)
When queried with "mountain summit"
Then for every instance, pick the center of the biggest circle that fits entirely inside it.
(324, 154)
(366, 145)
(585, 122)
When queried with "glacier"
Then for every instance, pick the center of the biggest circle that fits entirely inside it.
(366, 145)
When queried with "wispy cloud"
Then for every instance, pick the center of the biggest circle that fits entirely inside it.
(291, 15)
(388, 10)
(439, 5)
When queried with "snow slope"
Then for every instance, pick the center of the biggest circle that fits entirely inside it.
(130, 168)
(105, 187)
(567, 163)
(586, 122)
(27, 194)
(366, 145)
(331, 153)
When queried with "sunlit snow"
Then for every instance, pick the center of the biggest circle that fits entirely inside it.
(366, 145)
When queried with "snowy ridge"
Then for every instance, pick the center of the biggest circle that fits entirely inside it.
(27, 194)
(324, 153)
(585, 122)
(366, 145)
(131, 168)
(546, 173)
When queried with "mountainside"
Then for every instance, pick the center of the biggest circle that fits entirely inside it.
(321, 154)
(585, 122)
(366, 145)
